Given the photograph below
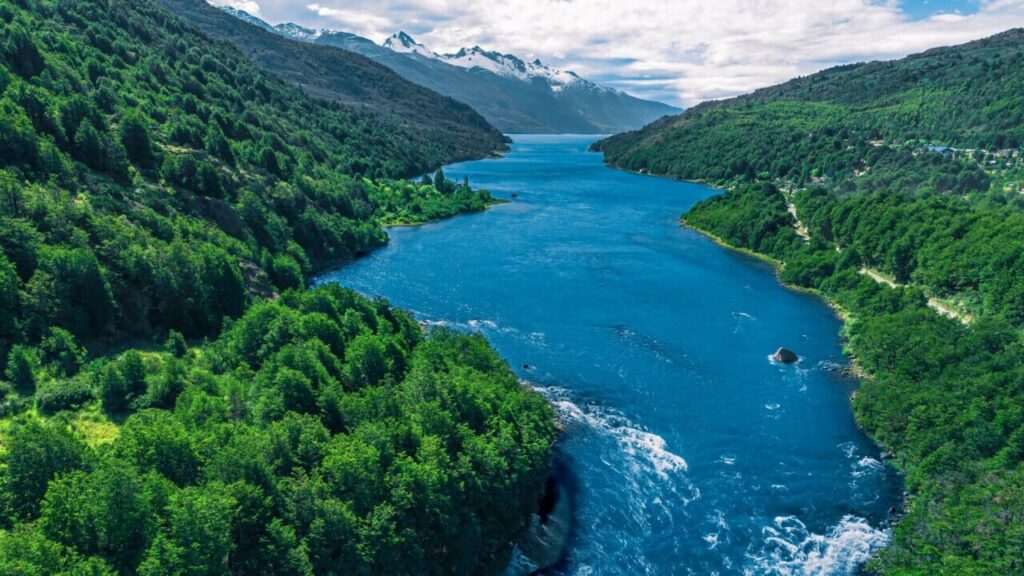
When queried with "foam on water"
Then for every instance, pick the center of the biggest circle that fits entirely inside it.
(646, 450)
(790, 549)
(866, 465)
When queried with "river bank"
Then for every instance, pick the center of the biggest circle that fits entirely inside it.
(854, 369)
(693, 451)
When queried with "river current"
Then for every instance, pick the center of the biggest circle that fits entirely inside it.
(689, 450)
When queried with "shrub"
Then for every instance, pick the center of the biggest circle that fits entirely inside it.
(57, 395)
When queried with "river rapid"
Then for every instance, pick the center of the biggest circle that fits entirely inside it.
(688, 450)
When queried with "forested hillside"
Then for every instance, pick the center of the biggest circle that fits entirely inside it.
(172, 399)
(155, 180)
(826, 127)
(906, 179)
(442, 129)
(321, 434)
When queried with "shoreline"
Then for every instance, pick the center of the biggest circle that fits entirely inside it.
(488, 206)
(499, 563)
(854, 370)
(841, 313)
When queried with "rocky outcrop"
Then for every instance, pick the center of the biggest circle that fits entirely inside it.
(785, 355)
(545, 540)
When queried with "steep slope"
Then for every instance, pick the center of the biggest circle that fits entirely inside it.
(156, 134)
(508, 103)
(453, 131)
(905, 178)
(966, 96)
(607, 110)
(173, 400)
(515, 96)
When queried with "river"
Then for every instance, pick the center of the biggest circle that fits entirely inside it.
(691, 452)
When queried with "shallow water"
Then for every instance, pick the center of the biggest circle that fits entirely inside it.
(692, 452)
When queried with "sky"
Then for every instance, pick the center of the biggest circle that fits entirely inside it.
(680, 52)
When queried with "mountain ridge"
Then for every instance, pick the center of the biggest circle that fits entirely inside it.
(514, 95)
(963, 96)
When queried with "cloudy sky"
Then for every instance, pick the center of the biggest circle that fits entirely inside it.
(676, 51)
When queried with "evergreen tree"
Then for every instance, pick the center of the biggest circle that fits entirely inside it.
(136, 139)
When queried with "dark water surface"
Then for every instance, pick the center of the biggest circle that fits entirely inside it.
(693, 453)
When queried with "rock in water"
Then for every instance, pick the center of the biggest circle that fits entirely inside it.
(785, 355)
(545, 541)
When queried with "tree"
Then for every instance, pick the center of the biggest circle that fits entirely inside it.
(80, 291)
(268, 161)
(123, 382)
(200, 527)
(22, 365)
(9, 299)
(18, 142)
(102, 513)
(36, 453)
(62, 352)
(136, 139)
(156, 440)
(163, 557)
(217, 144)
(175, 344)
(366, 361)
(21, 53)
(89, 146)
(208, 181)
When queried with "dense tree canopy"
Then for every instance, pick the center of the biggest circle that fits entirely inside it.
(159, 181)
(173, 400)
(320, 434)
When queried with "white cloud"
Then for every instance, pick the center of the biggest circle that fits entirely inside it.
(680, 50)
(365, 22)
(249, 6)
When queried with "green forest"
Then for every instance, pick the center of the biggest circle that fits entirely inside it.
(173, 399)
(908, 171)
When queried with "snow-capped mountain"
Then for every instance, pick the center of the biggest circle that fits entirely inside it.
(404, 44)
(510, 66)
(515, 95)
(245, 16)
(293, 31)
(506, 65)
(300, 33)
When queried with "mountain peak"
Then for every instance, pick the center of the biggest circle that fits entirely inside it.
(246, 17)
(511, 66)
(297, 32)
(406, 44)
(405, 39)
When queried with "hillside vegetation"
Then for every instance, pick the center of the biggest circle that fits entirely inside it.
(909, 170)
(441, 129)
(153, 180)
(827, 126)
(173, 400)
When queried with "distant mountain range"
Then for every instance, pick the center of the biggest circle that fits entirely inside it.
(514, 95)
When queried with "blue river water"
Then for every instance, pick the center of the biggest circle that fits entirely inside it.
(691, 452)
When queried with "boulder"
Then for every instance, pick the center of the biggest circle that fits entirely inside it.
(785, 355)
(546, 539)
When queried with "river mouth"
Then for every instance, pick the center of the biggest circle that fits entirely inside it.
(693, 452)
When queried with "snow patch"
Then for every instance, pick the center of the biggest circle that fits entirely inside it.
(505, 65)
